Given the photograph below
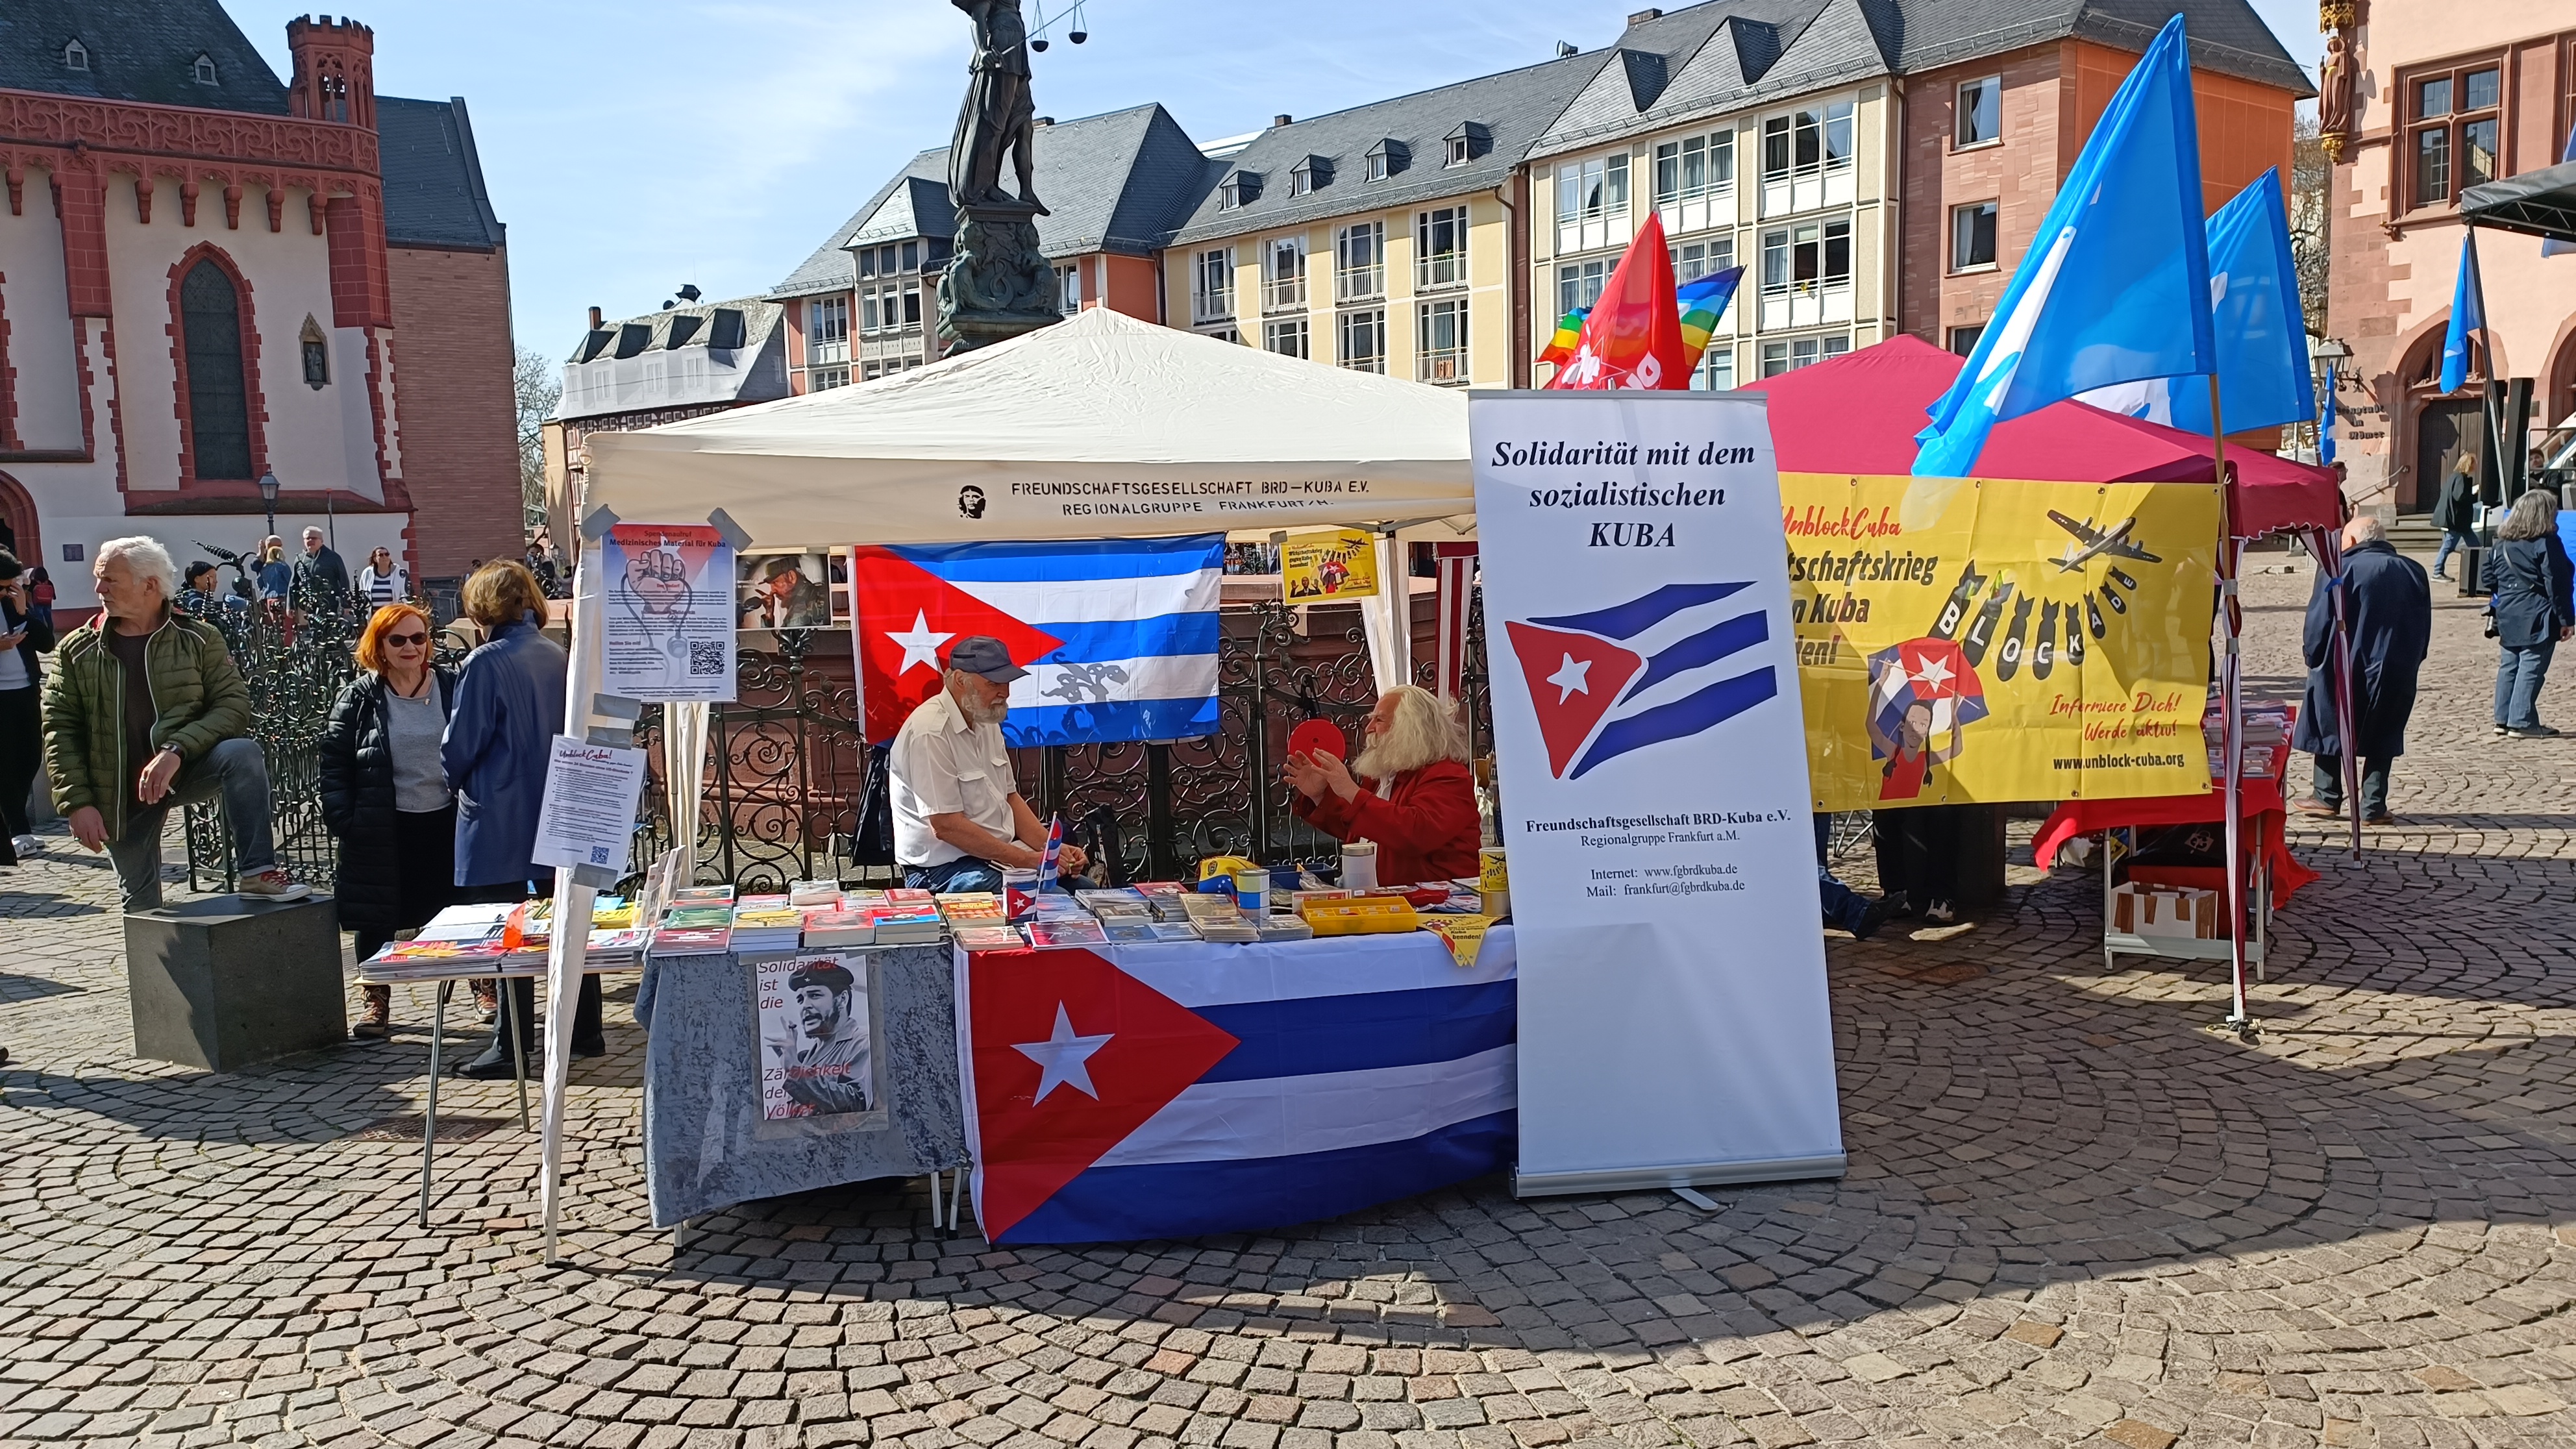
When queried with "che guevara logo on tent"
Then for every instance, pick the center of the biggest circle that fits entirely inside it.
(1652, 669)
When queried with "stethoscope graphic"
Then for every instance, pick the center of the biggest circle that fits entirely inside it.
(676, 622)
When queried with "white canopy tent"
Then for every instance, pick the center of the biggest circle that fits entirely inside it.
(1100, 426)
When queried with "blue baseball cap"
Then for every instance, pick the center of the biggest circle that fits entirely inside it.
(982, 654)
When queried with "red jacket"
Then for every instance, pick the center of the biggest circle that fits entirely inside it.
(1425, 829)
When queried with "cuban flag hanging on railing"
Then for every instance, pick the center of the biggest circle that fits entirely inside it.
(1119, 635)
(1127, 1092)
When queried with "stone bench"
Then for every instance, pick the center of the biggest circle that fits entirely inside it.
(224, 983)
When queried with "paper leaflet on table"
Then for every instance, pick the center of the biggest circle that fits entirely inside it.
(1116, 1092)
(1119, 635)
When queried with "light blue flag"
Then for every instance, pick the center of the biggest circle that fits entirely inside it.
(2116, 284)
(2325, 429)
(2261, 332)
(2468, 314)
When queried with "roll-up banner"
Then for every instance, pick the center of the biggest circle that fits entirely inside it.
(1674, 1028)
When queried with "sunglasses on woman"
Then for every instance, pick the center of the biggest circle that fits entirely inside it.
(406, 641)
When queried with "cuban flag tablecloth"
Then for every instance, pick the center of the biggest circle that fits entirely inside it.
(1169, 1090)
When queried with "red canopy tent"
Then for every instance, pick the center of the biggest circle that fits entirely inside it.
(1859, 414)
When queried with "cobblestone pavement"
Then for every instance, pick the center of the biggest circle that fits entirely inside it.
(2075, 1215)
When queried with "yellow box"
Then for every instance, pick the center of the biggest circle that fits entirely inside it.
(1360, 916)
(1491, 875)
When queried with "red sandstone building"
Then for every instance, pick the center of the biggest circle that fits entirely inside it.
(207, 276)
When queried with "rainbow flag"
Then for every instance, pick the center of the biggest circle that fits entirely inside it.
(1703, 301)
(1568, 328)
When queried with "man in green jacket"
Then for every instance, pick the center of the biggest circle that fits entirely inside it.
(145, 710)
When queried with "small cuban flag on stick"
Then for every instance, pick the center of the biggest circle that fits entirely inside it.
(1047, 880)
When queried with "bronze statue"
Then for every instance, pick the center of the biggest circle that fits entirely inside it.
(998, 115)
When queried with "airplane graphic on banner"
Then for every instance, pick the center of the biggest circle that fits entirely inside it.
(1586, 671)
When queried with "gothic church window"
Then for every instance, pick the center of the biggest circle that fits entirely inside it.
(218, 392)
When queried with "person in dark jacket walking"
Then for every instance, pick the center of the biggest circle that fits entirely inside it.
(2388, 606)
(2531, 608)
(509, 707)
(2455, 512)
(23, 636)
(385, 795)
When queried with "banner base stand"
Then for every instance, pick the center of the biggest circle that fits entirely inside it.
(1707, 1174)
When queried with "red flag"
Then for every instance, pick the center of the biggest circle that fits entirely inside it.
(1633, 337)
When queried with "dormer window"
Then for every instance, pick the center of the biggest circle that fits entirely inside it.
(1468, 142)
(205, 69)
(75, 56)
(1239, 189)
(1387, 158)
(1309, 174)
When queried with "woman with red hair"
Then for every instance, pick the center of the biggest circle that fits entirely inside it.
(384, 792)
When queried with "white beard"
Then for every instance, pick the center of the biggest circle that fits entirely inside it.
(1372, 762)
(977, 714)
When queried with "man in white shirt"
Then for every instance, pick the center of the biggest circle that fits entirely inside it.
(958, 816)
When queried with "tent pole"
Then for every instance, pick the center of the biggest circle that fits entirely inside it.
(2230, 703)
(2347, 729)
(568, 952)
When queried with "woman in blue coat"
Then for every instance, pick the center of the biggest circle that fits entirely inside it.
(509, 708)
(2529, 570)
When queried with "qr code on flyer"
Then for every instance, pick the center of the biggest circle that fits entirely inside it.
(706, 657)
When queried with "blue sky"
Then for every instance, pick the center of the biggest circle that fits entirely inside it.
(635, 146)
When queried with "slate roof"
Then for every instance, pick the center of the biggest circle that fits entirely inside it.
(1515, 107)
(139, 50)
(829, 268)
(1118, 182)
(670, 359)
(1730, 55)
(434, 194)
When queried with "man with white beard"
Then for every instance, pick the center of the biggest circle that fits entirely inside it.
(1409, 791)
(958, 816)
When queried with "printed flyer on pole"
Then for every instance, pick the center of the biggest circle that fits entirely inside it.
(1673, 1022)
(667, 631)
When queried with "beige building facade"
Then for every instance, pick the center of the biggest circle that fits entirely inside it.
(1385, 238)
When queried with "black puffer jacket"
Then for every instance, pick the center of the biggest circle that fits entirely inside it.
(357, 768)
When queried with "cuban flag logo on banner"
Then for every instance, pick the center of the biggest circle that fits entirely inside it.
(1638, 673)
(1119, 636)
(1920, 691)
(1163, 1091)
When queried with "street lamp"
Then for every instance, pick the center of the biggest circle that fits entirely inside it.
(268, 495)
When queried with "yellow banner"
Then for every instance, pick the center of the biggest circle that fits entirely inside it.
(1986, 640)
(1330, 566)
